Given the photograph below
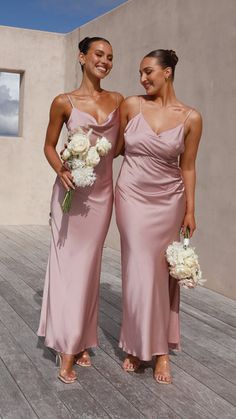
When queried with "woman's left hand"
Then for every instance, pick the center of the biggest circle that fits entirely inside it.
(189, 221)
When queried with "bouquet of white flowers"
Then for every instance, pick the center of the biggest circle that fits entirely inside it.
(81, 158)
(183, 263)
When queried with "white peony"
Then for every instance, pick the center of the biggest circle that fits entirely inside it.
(103, 146)
(79, 144)
(84, 176)
(66, 154)
(183, 264)
(92, 158)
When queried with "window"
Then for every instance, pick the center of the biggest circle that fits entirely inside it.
(10, 103)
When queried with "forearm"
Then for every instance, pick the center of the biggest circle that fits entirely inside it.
(53, 158)
(189, 178)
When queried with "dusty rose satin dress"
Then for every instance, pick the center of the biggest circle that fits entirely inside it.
(70, 301)
(150, 206)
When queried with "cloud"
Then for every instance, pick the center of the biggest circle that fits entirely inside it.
(9, 103)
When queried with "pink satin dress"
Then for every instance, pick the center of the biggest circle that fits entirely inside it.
(69, 312)
(150, 207)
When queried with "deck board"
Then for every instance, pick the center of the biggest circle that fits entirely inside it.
(204, 372)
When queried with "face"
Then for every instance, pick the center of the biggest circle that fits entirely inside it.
(152, 75)
(98, 60)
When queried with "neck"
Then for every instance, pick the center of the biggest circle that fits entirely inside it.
(166, 96)
(90, 85)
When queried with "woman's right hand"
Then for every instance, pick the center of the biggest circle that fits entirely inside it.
(66, 178)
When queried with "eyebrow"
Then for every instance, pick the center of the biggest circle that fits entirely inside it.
(145, 69)
(102, 52)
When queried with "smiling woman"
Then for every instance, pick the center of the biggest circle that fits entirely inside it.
(9, 103)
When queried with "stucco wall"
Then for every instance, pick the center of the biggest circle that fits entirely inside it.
(203, 34)
(25, 176)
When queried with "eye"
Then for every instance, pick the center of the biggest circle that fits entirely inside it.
(148, 72)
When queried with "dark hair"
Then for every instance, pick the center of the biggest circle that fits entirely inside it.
(86, 43)
(166, 58)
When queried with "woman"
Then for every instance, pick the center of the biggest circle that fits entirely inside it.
(70, 301)
(154, 198)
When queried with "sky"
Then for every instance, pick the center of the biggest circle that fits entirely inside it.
(60, 16)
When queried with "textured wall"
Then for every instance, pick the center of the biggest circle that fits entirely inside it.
(203, 33)
(24, 173)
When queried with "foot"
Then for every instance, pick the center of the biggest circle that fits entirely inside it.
(162, 370)
(66, 373)
(83, 359)
(131, 363)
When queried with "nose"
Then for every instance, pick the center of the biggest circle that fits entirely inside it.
(143, 77)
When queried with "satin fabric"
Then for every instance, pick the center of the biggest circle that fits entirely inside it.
(70, 301)
(150, 206)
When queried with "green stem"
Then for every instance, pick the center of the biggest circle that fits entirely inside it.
(67, 201)
(187, 233)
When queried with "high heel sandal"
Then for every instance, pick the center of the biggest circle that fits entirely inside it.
(163, 377)
(83, 359)
(64, 378)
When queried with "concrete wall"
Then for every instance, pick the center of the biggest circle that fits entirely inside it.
(203, 35)
(25, 176)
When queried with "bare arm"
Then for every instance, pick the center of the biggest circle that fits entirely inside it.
(187, 164)
(56, 121)
(127, 106)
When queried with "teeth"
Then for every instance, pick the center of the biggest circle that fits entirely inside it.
(102, 69)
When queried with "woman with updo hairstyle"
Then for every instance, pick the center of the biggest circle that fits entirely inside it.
(70, 301)
(154, 200)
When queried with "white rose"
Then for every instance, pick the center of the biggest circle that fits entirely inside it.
(92, 158)
(103, 146)
(65, 155)
(79, 144)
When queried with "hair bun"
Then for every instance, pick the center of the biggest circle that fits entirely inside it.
(174, 57)
(83, 44)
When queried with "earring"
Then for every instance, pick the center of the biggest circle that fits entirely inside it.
(166, 78)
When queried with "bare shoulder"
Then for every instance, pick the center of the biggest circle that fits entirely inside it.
(61, 101)
(131, 103)
(195, 116)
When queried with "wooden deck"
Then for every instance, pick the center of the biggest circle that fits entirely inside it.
(204, 373)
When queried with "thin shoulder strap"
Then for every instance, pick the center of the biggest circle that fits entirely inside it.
(70, 100)
(191, 110)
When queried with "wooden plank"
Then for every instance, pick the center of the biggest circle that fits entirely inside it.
(82, 405)
(12, 401)
(207, 319)
(216, 342)
(21, 287)
(210, 309)
(18, 252)
(149, 404)
(29, 380)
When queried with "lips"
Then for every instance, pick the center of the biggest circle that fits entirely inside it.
(102, 69)
(146, 85)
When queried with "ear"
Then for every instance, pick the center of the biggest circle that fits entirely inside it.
(168, 73)
(81, 58)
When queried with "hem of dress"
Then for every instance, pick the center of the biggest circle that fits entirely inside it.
(172, 347)
(51, 346)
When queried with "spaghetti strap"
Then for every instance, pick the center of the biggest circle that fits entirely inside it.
(70, 100)
(191, 110)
